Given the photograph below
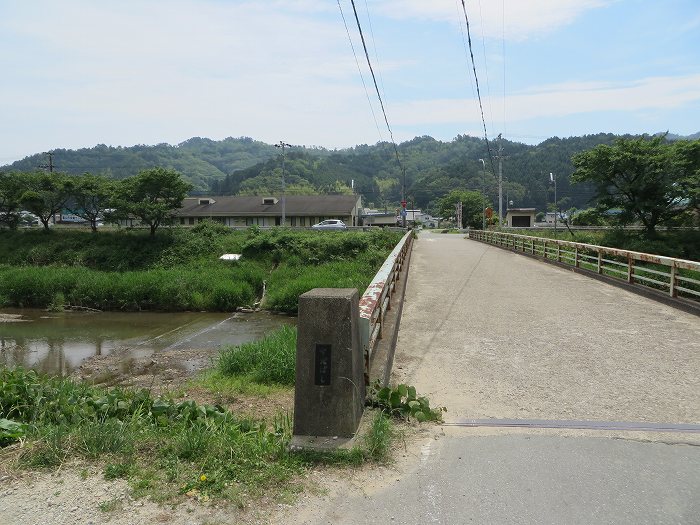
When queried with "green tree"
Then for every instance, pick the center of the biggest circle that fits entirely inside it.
(12, 186)
(472, 207)
(152, 196)
(46, 194)
(91, 195)
(646, 178)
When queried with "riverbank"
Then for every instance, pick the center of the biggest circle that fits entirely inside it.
(180, 270)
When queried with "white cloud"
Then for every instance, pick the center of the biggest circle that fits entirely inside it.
(560, 100)
(518, 19)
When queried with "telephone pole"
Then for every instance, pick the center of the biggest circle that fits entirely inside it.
(500, 181)
(483, 196)
(48, 166)
(283, 145)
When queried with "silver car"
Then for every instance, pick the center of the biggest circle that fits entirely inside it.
(330, 224)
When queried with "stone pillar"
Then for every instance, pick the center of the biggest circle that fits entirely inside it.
(330, 390)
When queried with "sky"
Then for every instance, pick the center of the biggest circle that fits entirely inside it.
(77, 73)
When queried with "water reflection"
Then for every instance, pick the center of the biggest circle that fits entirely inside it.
(57, 343)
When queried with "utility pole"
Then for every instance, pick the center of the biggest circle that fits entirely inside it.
(553, 179)
(284, 209)
(500, 181)
(48, 166)
(483, 195)
(403, 199)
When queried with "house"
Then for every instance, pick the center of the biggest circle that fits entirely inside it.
(379, 218)
(520, 217)
(549, 217)
(241, 211)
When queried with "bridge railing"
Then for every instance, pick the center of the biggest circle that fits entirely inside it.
(377, 297)
(677, 277)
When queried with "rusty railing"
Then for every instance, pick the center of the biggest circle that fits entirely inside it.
(377, 298)
(677, 277)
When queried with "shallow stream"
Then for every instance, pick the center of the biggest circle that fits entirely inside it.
(58, 342)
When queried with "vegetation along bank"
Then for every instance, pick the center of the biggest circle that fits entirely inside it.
(179, 269)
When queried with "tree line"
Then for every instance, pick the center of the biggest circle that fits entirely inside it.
(151, 196)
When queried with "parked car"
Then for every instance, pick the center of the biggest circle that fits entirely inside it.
(330, 224)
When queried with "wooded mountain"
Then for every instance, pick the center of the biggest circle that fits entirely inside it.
(432, 168)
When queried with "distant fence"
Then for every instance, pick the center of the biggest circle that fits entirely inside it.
(377, 298)
(679, 278)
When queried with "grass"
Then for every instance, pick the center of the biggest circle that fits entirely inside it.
(179, 269)
(165, 449)
(270, 360)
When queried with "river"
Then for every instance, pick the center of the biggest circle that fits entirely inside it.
(57, 343)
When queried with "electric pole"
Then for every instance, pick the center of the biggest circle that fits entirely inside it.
(48, 166)
(284, 210)
(500, 181)
(553, 179)
(483, 195)
(403, 200)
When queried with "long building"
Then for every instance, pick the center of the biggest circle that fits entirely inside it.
(299, 210)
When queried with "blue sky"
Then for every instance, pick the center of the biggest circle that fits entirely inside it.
(76, 73)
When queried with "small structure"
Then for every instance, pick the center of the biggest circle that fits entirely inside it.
(379, 218)
(549, 217)
(330, 388)
(520, 217)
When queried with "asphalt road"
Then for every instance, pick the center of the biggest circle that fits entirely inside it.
(492, 334)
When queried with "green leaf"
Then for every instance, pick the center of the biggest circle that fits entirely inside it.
(402, 390)
(411, 392)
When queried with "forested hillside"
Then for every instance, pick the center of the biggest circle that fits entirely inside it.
(200, 160)
(432, 168)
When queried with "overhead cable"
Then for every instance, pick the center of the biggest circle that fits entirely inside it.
(359, 69)
(478, 92)
(376, 87)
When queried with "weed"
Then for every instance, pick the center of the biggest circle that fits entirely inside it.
(270, 360)
(404, 402)
(111, 505)
(117, 470)
(378, 440)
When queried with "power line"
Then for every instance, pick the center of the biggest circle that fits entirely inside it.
(478, 92)
(374, 79)
(486, 69)
(359, 69)
(503, 54)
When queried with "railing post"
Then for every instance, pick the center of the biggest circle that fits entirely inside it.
(672, 285)
(630, 269)
(576, 261)
(544, 249)
(600, 262)
(558, 252)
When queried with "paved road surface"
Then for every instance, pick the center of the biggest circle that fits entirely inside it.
(492, 334)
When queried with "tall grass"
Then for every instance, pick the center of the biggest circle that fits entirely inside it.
(180, 270)
(270, 360)
(213, 288)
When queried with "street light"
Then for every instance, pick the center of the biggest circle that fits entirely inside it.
(483, 195)
(284, 207)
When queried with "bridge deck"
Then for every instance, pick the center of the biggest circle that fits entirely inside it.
(489, 333)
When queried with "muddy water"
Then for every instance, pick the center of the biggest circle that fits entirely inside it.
(57, 343)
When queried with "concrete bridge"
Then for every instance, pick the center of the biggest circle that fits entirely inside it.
(497, 336)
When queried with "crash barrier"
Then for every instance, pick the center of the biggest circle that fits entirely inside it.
(678, 278)
(377, 298)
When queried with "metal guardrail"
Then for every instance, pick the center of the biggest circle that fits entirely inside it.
(377, 297)
(677, 277)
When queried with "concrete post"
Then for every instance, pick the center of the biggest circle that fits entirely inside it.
(330, 390)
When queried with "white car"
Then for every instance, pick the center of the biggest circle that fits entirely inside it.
(330, 224)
